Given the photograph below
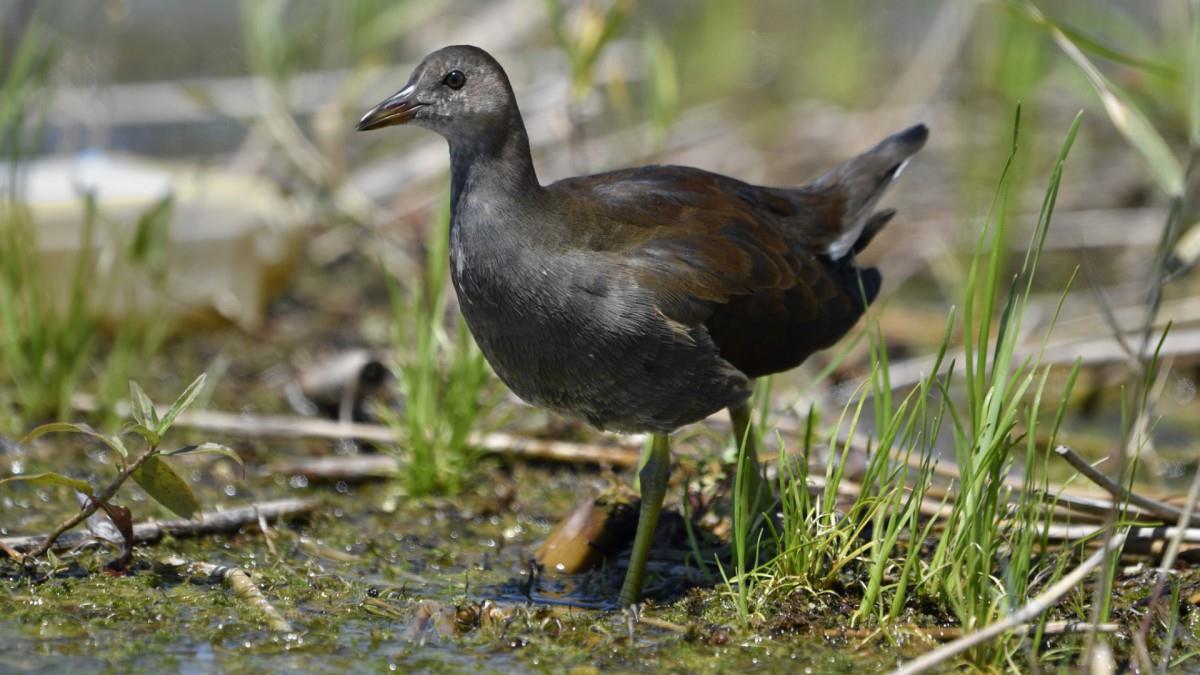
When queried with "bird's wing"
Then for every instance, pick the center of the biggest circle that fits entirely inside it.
(769, 272)
(748, 264)
(696, 239)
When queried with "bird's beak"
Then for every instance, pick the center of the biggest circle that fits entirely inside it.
(397, 109)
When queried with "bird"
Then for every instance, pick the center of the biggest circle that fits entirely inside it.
(641, 299)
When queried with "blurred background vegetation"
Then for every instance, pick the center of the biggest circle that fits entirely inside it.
(254, 101)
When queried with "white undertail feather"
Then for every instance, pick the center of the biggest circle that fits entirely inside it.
(864, 179)
(842, 245)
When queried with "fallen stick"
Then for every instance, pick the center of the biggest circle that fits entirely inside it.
(240, 583)
(208, 522)
(561, 451)
(1058, 532)
(663, 624)
(339, 467)
(1031, 610)
(1067, 628)
(1092, 506)
(288, 426)
(1140, 541)
(1088, 351)
(10, 552)
(1170, 513)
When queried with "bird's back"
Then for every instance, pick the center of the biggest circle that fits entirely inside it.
(768, 272)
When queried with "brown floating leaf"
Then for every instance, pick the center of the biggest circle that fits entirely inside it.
(431, 619)
(584, 537)
(123, 520)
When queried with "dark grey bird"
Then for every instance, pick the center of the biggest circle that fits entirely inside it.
(641, 299)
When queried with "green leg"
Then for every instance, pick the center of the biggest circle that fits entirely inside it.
(643, 459)
(652, 477)
(757, 495)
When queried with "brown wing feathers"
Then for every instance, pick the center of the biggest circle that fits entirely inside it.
(768, 271)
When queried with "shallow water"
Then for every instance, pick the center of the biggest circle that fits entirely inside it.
(432, 585)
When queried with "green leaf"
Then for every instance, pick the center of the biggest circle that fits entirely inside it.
(149, 244)
(166, 486)
(113, 442)
(143, 408)
(52, 478)
(185, 399)
(208, 449)
(151, 436)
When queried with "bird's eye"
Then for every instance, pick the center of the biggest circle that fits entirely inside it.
(455, 79)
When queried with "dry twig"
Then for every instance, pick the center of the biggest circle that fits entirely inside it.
(1118, 491)
(287, 426)
(241, 584)
(207, 522)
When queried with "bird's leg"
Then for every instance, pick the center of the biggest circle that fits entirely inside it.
(756, 496)
(643, 459)
(652, 477)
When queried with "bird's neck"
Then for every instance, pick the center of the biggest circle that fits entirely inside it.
(495, 166)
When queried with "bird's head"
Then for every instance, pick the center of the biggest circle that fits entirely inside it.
(456, 91)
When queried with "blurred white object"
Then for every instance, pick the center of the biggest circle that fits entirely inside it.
(229, 234)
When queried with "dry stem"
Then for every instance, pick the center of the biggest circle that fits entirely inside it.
(1169, 513)
(205, 523)
(244, 587)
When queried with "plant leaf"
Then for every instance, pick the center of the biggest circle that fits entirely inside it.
(150, 435)
(148, 246)
(143, 408)
(52, 478)
(166, 486)
(185, 399)
(113, 442)
(123, 520)
(209, 449)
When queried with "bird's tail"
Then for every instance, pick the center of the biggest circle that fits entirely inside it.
(862, 180)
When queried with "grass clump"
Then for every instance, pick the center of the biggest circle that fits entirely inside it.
(998, 422)
(52, 347)
(42, 353)
(442, 376)
(977, 555)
